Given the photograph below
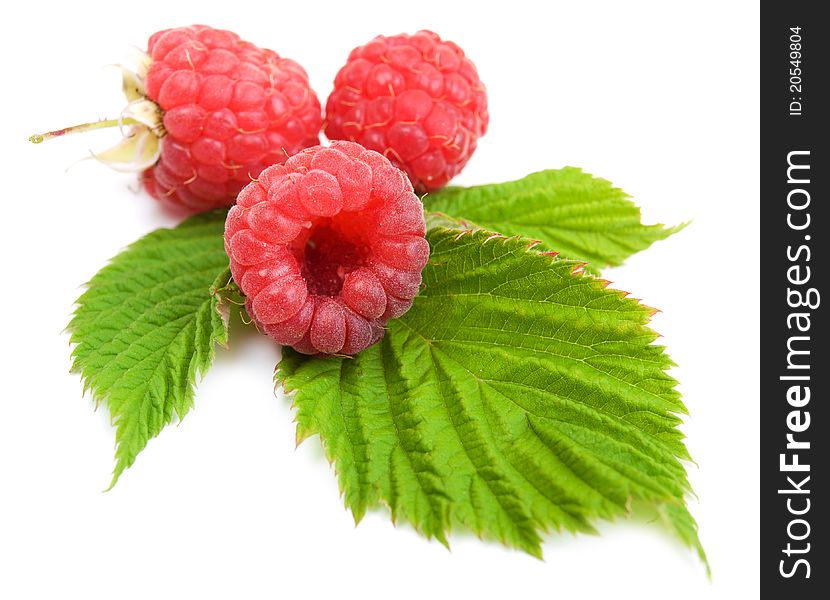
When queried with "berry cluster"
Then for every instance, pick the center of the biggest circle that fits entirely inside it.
(329, 244)
(415, 99)
(327, 248)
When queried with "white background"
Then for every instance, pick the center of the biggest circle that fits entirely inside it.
(660, 98)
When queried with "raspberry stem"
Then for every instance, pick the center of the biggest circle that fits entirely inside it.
(42, 137)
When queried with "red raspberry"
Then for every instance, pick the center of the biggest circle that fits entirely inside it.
(224, 110)
(415, 99)
(230, 110)
(327, 248)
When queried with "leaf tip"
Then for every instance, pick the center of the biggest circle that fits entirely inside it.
(677, 228)
(116, 473)
(497, 236)
(579, 268)
(441, 536)
(650, 310)
(357, 514)
(301, 435)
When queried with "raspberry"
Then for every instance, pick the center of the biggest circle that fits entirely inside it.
(416, 99)
(327, 248)
(230, 110)
(224, 110)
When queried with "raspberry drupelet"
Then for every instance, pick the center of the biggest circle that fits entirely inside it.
(416, 99)
(208, 112)
(327, 248)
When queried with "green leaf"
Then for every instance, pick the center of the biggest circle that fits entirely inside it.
(146, 327)
(568, 211)
(518, 395)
